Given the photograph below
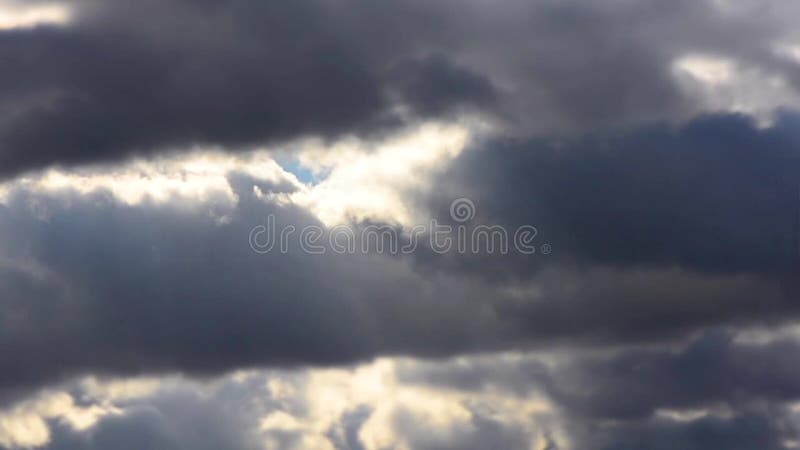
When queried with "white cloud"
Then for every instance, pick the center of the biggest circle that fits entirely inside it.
(25, 425)
(200, 175)
(318, 407)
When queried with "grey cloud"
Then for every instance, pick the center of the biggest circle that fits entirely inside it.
(718, 195)
(751, 383)
(613, 399)
(608, 399)
(747, 431)
(660, 232)
(168, 287)
(713, 371)
(433, 85)
(142, 76)
(227, 413)
(156, 288)
(163, 288)
(138, 77)
(176, 417)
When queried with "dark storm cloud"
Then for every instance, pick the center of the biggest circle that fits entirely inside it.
(744, 432)
(434, 85)
(111, 95)
(713, 371)
(718, 195)
(137, 77)
(752, 384)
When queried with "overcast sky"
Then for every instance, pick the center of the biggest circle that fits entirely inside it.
(165, 166)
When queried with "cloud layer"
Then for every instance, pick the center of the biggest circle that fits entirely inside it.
(654, 148)
(106, 82)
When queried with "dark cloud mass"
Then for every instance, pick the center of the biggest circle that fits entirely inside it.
(129, 77)
(718, 195)
(134, 77)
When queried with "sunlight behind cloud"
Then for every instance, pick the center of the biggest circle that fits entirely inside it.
(369, 180)
(357, 179)
(198, 176)
(25, 426)
(20, 15)
(722, 84)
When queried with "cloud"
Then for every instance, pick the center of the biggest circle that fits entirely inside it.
(115, 82)
(371, 181)
(271, 72)
(366, 407)
(714, 391)
(169, 282)
(654, 147)
(14, 14)
(719, 195)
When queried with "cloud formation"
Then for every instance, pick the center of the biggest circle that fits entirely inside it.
(139, 77)
(653, 147)
(172, 284)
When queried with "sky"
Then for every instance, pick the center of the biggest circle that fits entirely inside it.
(405, 225)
